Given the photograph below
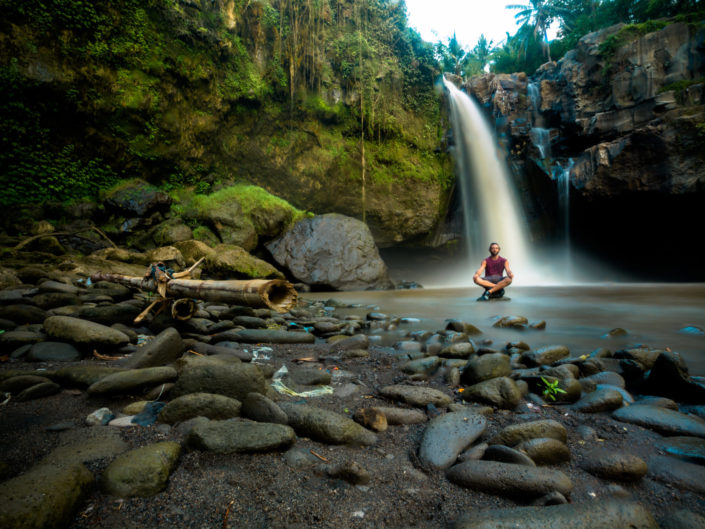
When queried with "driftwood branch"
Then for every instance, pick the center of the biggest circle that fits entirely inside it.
(67, 233)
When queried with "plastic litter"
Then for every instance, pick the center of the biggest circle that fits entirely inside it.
(280, 387)
(100, 416)
(148, 416)
(260, 353)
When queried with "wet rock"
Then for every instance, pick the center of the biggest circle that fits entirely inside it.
(460, 326)
(660, 402)
(590, 515)
(163, 349)
(448, 435)
(508, 479)
(326, 426)
(421, 366)
(331, 250)
(83, 332)
(485, 367)
(416, 395)
(237, 435)
(141, 472)
(38, 391)
(16, 384)
(53, 352)
(273, 336)
(645, 356)
(51, 300)
(358, 341)
(692, 448)
(83, 375)
(513, 322)
(13, 339)
(458, 350)
(397, 416)
(516, 433)
(308, 376)
(662, 420)
(45, 496)
(501, 392)
(199, 405)
(617, 331)
(371, 418)
(262, 409)
(506, 454)
(679, 473)
(22, 313)
(208, 375)
(598, 401)
(562, 371)
(545, 355)
(606, 377)
(545, 451)
(133, 380)
(615, 465)
(123, 313)
(349, 471)
(669, 378)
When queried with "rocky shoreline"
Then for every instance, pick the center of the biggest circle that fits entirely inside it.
(243, 417)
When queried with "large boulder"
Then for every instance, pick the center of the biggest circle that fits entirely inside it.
(136, 198)
(228, 261)
(332, 251)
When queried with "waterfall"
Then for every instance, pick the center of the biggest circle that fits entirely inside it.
(490, 206)
(562, 177)
(541, 138)
(532, 90)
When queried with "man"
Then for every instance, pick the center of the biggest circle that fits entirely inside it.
(493, 268)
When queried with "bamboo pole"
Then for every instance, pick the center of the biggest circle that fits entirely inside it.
(275, 294)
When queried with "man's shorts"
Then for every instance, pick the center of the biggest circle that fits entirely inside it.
(493, 279)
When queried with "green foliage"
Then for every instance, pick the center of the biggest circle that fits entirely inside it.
(680, 88)
(551, 389)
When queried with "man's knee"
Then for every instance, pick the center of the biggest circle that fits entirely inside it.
(508, 280)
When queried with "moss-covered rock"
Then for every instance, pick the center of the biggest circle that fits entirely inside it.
(141, 472)
(232, 262)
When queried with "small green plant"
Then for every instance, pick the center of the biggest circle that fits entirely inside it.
(551, 389)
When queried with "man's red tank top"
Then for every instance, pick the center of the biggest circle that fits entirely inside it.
(494, 267)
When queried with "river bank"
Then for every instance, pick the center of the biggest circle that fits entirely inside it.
(390, 416)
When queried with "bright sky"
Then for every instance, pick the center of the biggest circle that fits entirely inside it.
(437, 20)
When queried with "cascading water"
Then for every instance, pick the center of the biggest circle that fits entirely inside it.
(562, 177)
(490, 207)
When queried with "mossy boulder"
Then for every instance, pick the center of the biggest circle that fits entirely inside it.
(136, 198)
(233, 262)
(192, 250)
(141, 472)
(171, 231)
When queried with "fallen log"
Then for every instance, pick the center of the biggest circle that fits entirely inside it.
(275, 294)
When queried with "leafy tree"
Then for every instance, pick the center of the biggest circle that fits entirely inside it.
(479, 57)
(537, 14)
(451, 55)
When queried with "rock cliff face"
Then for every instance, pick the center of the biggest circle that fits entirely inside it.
(624, 116)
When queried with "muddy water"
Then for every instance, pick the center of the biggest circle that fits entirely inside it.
(576, 316)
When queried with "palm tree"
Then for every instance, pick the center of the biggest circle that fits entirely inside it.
(538, 14)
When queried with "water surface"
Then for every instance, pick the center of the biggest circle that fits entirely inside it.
(576, 316)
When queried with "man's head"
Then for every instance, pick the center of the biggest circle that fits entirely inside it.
(494, 249)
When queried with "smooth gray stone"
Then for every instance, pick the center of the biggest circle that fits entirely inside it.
(124, 313)
(237, 435)
(504, 454)
(308, 376)
(545, 451)
(87, 446)
(606, 377)
(687, 447)
(83, 375)
(609, 464)
(516, 433)
(485, 367)
(272, 336)
(502, 392)
(250, 322)
(45, 389)
(508, 479)
(19, 383)
(424, 366)
(53, 352)
(627, 398)
(677, 472)
(594, 514)
(83, 332)
(599, 400)
(397, 416)
(13, 339)
(660, 402)
(45, 496)
(126, 382)
(57, 286)
(211, 350)
(447, 435)
(545, 355)
(199, 405)
(141, 472)
(326, 426)
(23, 313)
(416, 395)
(662, 420)
(52, 300)
(163, 349)
(214, 375)
(258, 407)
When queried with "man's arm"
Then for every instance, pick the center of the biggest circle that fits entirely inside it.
(480, 270)
(510, 274)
